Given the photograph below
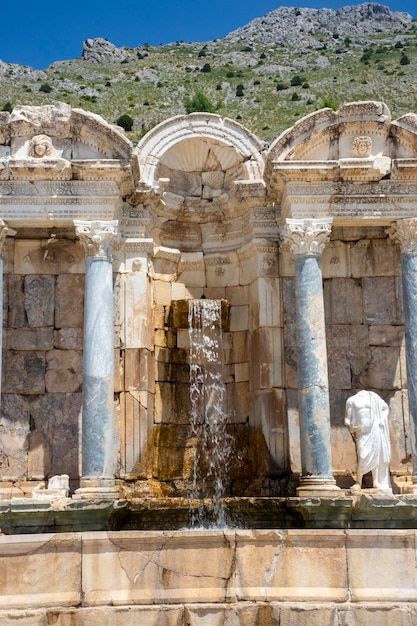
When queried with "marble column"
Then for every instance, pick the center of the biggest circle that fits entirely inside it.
(406, 235)
(306, 238)
(98, 466)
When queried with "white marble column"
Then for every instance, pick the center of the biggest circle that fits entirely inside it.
(98, 464)
(406, 235)
(307, 238)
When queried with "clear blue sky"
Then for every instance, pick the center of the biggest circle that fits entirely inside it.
(38, 33)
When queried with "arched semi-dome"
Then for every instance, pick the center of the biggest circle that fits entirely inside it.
(197, 158)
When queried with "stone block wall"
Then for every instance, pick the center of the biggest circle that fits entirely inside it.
(201, 578)
(365, 339)
(43, 295)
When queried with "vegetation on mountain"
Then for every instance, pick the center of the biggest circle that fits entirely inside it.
(267, 74)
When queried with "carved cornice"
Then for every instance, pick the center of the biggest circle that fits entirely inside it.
(404, 233)
(97, 237)
(307, 236)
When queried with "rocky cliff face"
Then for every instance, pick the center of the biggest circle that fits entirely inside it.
(294, 26)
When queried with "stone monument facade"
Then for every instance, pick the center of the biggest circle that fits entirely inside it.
(101, 243)
(310, 246)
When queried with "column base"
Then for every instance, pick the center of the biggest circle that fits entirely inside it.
(314, 486)
(97, 489)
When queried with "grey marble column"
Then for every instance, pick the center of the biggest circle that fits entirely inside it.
(406, 235)
(306, 238)
(97, 480)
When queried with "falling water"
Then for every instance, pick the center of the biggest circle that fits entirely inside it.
(208, 410)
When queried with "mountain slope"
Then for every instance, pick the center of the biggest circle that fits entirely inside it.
(266, 74)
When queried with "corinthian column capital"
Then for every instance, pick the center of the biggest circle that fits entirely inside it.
(97, 237)
(307, 236)
(405, 234)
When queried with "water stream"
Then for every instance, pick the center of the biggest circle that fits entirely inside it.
(208, 412)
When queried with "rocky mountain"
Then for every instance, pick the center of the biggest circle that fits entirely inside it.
(266, 74)
(289, 26)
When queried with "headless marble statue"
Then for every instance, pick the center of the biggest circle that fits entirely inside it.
(367, 419)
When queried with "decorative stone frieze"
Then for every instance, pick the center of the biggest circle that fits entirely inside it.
(361, 147)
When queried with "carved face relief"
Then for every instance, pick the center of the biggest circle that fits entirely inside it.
(361, 147)
(40, 147)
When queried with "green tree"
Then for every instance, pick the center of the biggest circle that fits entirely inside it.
(125, 121)
(198, 103)
(239, 91)
(7, 107)
(206, 68)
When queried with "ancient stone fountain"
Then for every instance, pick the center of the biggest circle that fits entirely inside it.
(305, 250)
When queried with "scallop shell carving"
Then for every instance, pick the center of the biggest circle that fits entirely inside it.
(189, 155)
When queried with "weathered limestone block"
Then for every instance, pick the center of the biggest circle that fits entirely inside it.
(54, 435)
(384, 368)
(239, 318)
(24, 372)
(222, 271)
(14, 433)
(241, 372)
(68, 339)
(174, 452)
(39, 300)
(48, 257)
(162, 292)
(387, 573)
(288, 300)
(16, 317)
(266, 358)
(375, 615)
(218, 293)
(193, 274)
(136, 420)
(385, 335)
(138, 370)
(265, 303)
(336, 260)
(115, 616)
(311, 616)
(137, 291)
(286, 262)
(238, 402)
(348, 355)
(295, 565)
(69, 301)
(172, 403)
(375, 257)
(27, 617)
(63, 371)
(380, 300)
(269, 411)
(240, 348)
(343, 301)
(168, 568)
(236, 295)
(28, 339)
(57, 554)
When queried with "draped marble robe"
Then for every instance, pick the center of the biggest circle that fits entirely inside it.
(367, 419)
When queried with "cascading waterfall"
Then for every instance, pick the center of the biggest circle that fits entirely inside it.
(208, 410)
